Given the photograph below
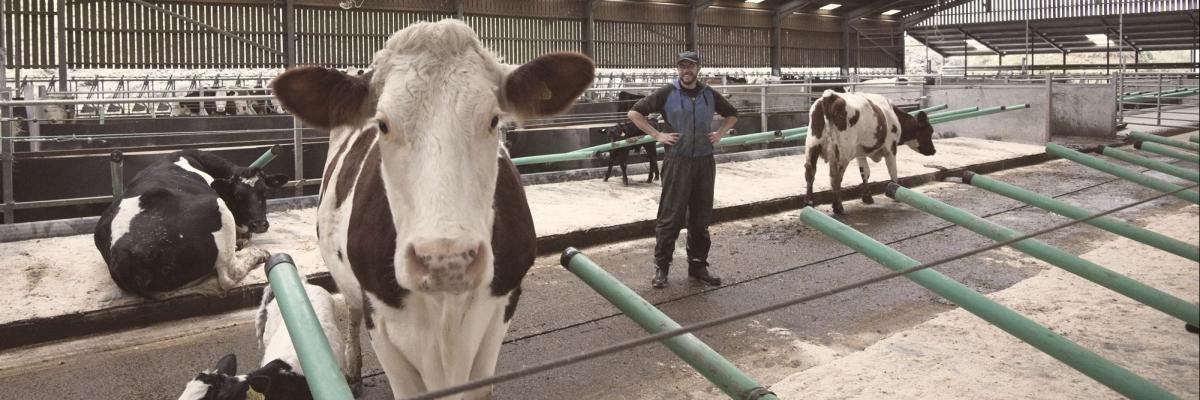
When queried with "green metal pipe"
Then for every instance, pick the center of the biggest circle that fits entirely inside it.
(551, 158)
(938, 107)
(1150, 163)
(325, 378)
(704, 359)
(1194, 138)
(1061, 348)
(1145, 137)
(265, 158)
(1167, 151)
(954, 112)
(1112, 169)
(116, 167)
(1096, 273)
(1149, 237)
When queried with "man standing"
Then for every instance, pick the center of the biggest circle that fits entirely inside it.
(689, 171)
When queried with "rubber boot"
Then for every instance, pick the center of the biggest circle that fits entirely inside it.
(699, 270)
(660, 276)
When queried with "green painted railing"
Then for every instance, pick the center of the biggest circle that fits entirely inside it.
(321, 369)
(1112, 169)
(1081, 359)
(1151, 163)
(265, 158)
(704, 359)
(116, 168)
(1157, 299)
(1158, 240)
(1146, 137)
(1167, 151)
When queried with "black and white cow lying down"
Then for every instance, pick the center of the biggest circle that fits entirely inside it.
(280, 375)
(422, 220)
(846, 126)
(181, 219)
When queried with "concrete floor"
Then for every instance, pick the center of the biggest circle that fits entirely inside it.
(763, 260)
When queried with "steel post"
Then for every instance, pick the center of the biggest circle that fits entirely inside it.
(1085, 269)
(324, 375)
(1081, 359)
(298, 145)
(1112, 169)
(1146, 137)
(1158, 240)
(704, 359)
(762, 111)
(1152, 164)
(1158, 100)
(1167, 151)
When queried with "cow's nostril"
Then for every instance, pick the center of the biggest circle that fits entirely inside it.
(444, 265)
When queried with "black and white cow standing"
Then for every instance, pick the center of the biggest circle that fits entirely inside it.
(845, 126)
(180, 219)
(280, 375)
(422, 219)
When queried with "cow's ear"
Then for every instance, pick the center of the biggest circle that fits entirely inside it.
(276, 181)
(325, 98)
(923, 118)
(548, 84)
(227, 365)
(223, 187)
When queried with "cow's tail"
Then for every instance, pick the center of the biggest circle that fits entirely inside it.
(260, 323)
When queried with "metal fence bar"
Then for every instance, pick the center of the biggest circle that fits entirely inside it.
(1152, 164)
(1166, 151)
(321, 370)
(298, 150)
(116, 167)
(1157, 299)
(1146, 137)
(1112, 169)
(718, 370)
(1081, 359)
(1158, 240)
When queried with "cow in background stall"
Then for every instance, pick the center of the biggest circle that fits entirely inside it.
(422, 219)
(846, 126)
(626, 131)
(181, 219)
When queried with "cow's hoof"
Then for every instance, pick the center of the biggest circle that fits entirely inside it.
(838, 210)
(868, 200)
(356, 388)
(240, 244)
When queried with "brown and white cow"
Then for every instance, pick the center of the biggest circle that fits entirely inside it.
(422, 219)
(845, 126)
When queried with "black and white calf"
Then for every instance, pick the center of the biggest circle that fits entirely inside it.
(279, 376)
(846, 126)
(627, 131)
(181, 219)
(422, 219)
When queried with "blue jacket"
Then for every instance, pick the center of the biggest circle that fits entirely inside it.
(692, 118)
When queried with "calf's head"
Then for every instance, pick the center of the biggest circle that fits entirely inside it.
(435, 97)
(916, 132)
(246, 195)
(274, 380)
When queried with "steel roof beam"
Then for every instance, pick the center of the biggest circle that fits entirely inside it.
(981, 41)
(1047, 39)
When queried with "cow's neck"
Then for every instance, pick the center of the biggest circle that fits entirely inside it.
(908, 125)
(211, 165)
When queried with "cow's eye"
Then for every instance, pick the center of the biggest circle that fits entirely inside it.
(495, 121)
(383, 127)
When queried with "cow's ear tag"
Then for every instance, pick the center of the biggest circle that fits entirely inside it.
(545, 93)
(253, 395)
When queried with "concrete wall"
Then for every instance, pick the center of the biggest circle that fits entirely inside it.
(1082, 110)
(1023, 126)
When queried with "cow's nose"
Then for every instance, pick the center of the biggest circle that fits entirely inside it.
(445, 264)
(259, 226)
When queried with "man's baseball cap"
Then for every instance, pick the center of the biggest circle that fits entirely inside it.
(690, 56)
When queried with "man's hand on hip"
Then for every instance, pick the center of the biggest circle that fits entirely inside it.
(714, 137)
(667, 138)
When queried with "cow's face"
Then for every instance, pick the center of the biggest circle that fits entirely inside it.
(246, 195)
(436, 97)
(222, 383)
(924, 136)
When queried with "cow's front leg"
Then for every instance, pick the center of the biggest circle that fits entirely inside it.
(890, 159)
(652, 153)
(233, 270)
(864, 169)
(810, 172)
(353, 355)
(402, 376)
